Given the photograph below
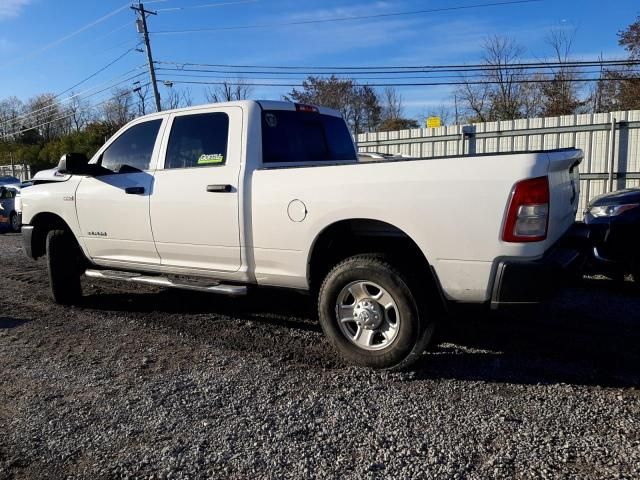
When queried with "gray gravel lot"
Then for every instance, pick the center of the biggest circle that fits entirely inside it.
(143, 382)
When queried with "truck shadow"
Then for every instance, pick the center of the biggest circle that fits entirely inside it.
(590, 335)
(7, 323)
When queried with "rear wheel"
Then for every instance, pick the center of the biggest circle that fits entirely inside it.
(64, 261)
(370, 315)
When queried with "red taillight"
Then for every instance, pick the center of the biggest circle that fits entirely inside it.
(528, 214)
(306, 108)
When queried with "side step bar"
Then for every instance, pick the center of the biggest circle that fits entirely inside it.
(231, 290)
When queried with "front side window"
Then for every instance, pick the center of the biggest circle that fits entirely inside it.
(198, 141)
(132, 151)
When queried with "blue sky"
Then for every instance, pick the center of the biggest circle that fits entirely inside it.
(35, 56)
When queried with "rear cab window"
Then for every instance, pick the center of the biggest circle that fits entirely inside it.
(304, 136)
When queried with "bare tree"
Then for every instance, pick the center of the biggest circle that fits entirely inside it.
(80, 112)
(229, 91)
(532, 96)
(475, 100)
(10, 110)
(560, 94)
(187, 98)
(142, 94)
(497, 94)
(176, 98)
(619, 88)
(629, 38)
(392, 108)
(43, 113)
(502, 55)
(117, 111)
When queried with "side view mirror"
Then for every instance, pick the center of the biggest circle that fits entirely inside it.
(73, 164)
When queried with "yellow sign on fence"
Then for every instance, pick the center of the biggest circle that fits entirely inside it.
(433, 122)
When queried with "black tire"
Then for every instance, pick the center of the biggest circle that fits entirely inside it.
(64, 261)
(635, 272)
(415, 331)
(14, 225)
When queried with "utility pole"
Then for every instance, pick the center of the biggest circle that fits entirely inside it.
(142, 28)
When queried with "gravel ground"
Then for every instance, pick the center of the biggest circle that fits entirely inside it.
(144, 382)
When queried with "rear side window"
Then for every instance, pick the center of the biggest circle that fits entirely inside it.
(198, 141)
(132, 150)
(304, 137)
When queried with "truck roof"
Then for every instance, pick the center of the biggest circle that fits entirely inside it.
(263, 104)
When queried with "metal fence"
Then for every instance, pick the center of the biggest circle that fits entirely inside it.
(20, 171)
(610, 141)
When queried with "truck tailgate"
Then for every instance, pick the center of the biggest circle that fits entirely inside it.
(564, 186)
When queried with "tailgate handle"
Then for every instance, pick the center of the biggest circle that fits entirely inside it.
(219, 188)
(134, 190)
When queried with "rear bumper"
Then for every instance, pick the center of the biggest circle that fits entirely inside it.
(530, 282)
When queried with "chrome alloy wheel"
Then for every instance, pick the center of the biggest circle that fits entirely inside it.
(367, 315)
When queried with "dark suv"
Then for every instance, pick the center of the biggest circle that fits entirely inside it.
(614, 219)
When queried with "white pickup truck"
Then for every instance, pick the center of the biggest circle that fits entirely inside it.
(224, 197)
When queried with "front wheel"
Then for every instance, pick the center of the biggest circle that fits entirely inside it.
(64, 261)
(14, 222)
(369, 314)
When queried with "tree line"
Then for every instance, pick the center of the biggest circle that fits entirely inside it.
(39, 130)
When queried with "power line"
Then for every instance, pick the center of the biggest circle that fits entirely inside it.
(360, 70)
(35, 113)
(73, 34)
(475, 73)
(417, 84)
(549, 76)
(206, 5)
(97, 72)
(345, 19)
(72, 114)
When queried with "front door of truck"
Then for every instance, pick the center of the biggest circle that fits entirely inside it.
(195, 204)
(113, 208)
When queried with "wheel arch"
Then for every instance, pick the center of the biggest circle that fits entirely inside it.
(348, 237)
(42, 224)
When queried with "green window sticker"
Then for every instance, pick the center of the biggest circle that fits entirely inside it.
(211, 159)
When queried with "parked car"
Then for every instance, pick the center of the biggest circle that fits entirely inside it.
(225, 197)
(377, 156)
(614, 219)
(10, 208)
(9, 180)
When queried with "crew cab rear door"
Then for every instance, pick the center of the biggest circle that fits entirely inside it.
(194, 206)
